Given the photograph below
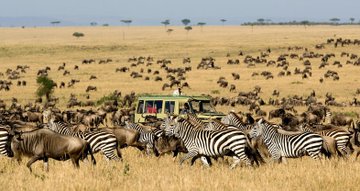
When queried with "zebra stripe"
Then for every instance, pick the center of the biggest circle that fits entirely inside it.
(281, 145)
(234, 120)
(5, 143)
(195, 121)
(217, 125)
(146, 137)
(341, 136)
(200, 142)
(98, 140)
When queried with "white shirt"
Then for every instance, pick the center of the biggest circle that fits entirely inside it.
(176, 92)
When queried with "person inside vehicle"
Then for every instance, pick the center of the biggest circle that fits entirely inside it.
(177, 92)
(186, 109)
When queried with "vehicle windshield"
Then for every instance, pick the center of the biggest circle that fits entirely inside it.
(202, 106)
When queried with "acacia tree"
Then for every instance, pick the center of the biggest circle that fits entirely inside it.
(305, 23)
(261, 21)
(188, 28)
(78, 34)
(335, 20)
(201, 24)
(54, 23)
(223, 21)
(93, 24)
(186, 22)
(45, 87)
(352, 20)
(166, 22)
(127, 22)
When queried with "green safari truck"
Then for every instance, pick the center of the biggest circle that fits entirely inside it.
(162, 105)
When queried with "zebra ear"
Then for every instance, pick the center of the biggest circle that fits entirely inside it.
(260, 121)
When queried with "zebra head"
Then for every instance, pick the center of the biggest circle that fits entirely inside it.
(46, 115)
(210, 125)
(226, 119)
(257, 130)
(171, 126)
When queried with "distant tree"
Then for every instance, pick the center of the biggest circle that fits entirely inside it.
(45, 87)
(55, 22)
(188, 28)
(169, 31)
(305, 23)
(93, 24)
(166, 22)
(201, 24)
(223, 21)
(186, 21)
(105, 25)
(352, 20)
(78, 34)
(261, 20)
(335, 20)
(127, 22)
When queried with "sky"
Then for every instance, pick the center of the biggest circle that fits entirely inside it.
(151, 12)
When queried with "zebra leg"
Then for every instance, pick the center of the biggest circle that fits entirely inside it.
(190, 154)
(148, 149)
(283, 160)
(276, 157)
(314, 153)
(236, 162)
(109, 154)
(204, 159)
(240, 155)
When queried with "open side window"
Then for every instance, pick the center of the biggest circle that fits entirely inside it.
(169, 107)
(153, 106)
(140, 108)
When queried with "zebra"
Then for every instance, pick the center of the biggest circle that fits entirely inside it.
(5, 148)
(99, 140)
(146, 137)
(195, 121)
(281, 145)
(217, 125)
(341, 136)
(201, 143)
(234, 120)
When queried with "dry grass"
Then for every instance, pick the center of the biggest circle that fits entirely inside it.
(150, 173)
(40, 47)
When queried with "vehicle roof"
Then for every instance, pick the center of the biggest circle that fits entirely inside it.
(148, 96)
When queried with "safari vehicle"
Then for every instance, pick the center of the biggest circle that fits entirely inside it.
(160, 106)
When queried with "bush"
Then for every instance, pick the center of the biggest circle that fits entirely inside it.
(215, 91)
(78, 34)
(106, 98)
(46, 86)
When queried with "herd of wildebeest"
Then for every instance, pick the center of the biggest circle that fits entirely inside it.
(41, 131)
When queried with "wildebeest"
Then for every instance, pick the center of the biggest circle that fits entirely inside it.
(43, 144)
(91, 88)
(126, 137)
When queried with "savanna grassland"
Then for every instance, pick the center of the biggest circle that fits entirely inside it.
(41, 47)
